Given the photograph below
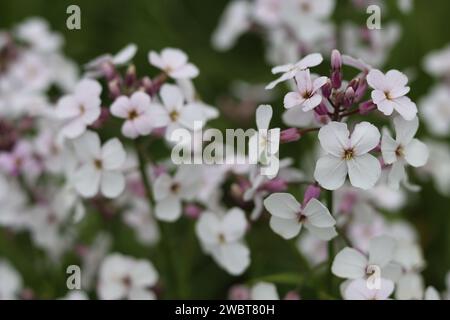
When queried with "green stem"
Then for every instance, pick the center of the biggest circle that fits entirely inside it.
(165, 249)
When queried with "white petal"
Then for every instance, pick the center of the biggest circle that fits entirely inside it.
(87, 147)
(125, 55)
(286, 228)
(350, 264)
(388, 148)
(168, 209)
(416, 153)
(174, 58)
(396, 175)
(234, 257)
(334, 138)
(364, 171)
(161, 187)
(129, 130)
(405, 130)
(112, 184)
(318, 215)
(296, 117)
(282, 205)
(325, 234)
(171, 96)
(365, 137)
(156, 60)
(410, 286)
(74, 129)
(311, 60)
(292, 99)
(113, 154)
(187, 71)
(358, 290)
(377, 80)
(208, 229)
(264, 291)
(330, 172)
(234, 225)
(120, 107)
(405, 107)
(87, 180)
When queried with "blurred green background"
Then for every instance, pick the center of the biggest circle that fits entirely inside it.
(108, 25)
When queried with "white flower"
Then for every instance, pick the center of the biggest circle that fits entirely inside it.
(122, 57)
(290, 70)
(174, 62)
(265, 142)
(389, 93)
(101, 166)
(348, 154)
(437, 63)
(36, 32)
(135, 110)
(123, 277)
(288, 217)
(140, 219)
(264, 291)
(431, 294)
(350, 263)
(80, 109)
(308, 95)
(170, 191)
(10, 281)
(222, 237)
(435, 108)
(358, 290)
(403, 150)
(174, 113)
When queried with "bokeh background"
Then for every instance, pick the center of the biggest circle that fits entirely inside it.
(108, 25)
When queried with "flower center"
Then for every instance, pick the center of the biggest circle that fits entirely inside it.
(400, 152)
(174, 115)
(348, 154)
(132, 115)
(98, 164)
(126, 281)
(307, 94)
(175, 187)
(388, 95)
(221, 238)
(82, 109)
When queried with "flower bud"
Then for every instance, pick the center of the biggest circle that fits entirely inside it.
(130, 76)
(312, 191)
(349, 97)
(336, 60)
(366, 107)
(192, 211)
(326, 89)
(336, 79)
(289, 135)
(114, 89)
(275, 185)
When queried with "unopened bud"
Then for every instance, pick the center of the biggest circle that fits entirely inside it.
(130, 77)
(114, 89)
(289, 135)
(349, 97)
(336, 60)
(326, 89)
(366, 107)
(311, 192)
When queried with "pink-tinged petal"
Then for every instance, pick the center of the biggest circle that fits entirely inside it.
(282, 69)
(349, 264)
(405, 130)
(377, 80)
(388, 148)
(125, 54)
(282, 205)
(87, 180)
(416, 153)
(91, 115)
(293, 99)
(312, 102)
(311, 60)
(398, 92)
(304, 82)
(113, 154)
(140, 101)
(74, 129)
(88, 87)
(143, 125)
(174, 58)
(155, 60)
(396, 79)
(67, 107)
(286, 228)
(129, 130)
(359, 290)
(172, 97)
(283, 77)
(158, 115)
(112, 184)
(168, 209)
(330, 172)
(364, 171)
(378, 96)
(318, 215)
(120, 107)
(187, 71)
(386, 107)
(263, 116)
(405, 107)
(365, 137)
(319, 83)
(334, 138)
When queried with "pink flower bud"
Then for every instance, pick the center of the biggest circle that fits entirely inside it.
(130, 77)
(349, 97)
(336, 78)
(239, 292)
(366, 107)
(275, 185)
(312, 191)
(114, 89)
(292, 295)
(108, 70)
(192, 211)
(326, 89)
(336, 60)
(289, 135)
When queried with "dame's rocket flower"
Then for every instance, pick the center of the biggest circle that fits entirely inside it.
(389, 93)
(174, 63)
(307, 95)
(348, 154)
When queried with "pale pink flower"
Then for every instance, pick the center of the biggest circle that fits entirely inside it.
(174, 62)
(308, 94)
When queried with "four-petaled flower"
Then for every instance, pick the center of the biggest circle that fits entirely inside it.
(307, 95)
(389, 93)
(135, 110)
(174, 63)
(348, 154)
